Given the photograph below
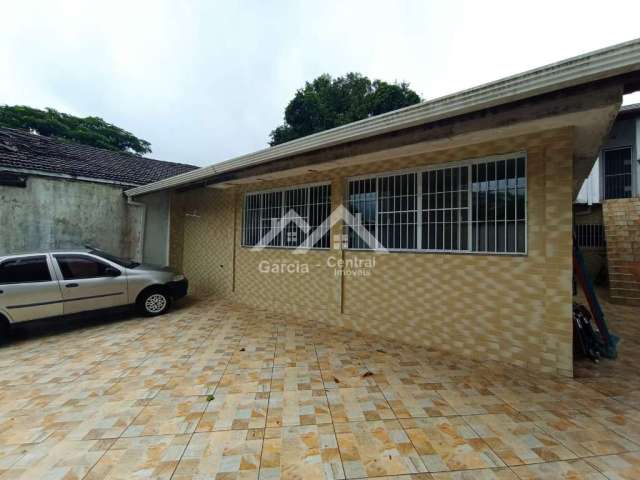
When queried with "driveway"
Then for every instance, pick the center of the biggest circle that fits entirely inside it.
(217, 390)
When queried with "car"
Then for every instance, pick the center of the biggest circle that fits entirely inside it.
(60, 283)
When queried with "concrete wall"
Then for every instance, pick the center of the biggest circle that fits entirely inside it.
(156, 232)
(60, 213)
(515, 309)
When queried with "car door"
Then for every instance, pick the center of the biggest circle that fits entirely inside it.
(28, 289)
(89, 284)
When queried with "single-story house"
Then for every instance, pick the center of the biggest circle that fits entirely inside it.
(607, 210)
(56, 194)
(454, 216)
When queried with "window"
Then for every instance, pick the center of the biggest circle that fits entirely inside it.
(25, 270)
(77, 267)
(287, 217)
(617, 173)
(478, 206)
(589, 235)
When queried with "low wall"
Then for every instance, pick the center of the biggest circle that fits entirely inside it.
(53, 213)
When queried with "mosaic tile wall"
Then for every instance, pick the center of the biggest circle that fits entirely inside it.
(622, 229)
(514, 309)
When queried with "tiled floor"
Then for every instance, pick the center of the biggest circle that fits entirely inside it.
(216, 390)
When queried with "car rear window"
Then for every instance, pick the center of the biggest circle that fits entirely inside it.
(25, 270)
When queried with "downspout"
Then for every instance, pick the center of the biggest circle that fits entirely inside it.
(139, 250)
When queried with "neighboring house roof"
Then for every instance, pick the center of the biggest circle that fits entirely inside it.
(598, 65)
(23, 150)
(633, 108)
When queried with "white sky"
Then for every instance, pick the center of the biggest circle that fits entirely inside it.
(204, 81)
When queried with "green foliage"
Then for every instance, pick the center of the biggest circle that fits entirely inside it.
(92, 131)
(326, 103)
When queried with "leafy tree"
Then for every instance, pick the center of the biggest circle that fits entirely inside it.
(329, 102)
(93, 131)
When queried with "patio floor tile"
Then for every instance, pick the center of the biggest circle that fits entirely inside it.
(358, 404)
(375, 449)
(235, 411)
(517, 440)
(301, 452)
(142, 457)
(233, 454)
(448, 443)
(298, 407)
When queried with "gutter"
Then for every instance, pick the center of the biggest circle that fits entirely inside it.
(598, 65)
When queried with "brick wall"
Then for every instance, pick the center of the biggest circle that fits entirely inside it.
(622, 229)
(515, 309)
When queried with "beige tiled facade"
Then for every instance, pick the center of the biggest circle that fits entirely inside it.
(509, 308)
(622, 229)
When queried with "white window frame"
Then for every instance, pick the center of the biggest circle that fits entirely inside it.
(461, 163)
(282, 190)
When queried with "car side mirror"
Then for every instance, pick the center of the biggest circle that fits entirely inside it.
(112, 272)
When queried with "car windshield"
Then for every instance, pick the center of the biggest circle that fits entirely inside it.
(120, 261)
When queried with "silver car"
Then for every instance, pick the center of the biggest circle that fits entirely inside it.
(51, 284)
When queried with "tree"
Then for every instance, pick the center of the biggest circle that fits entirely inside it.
(326, 103)
(93, 131)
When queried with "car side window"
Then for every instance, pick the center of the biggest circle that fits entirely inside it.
(25, 270)
(77, 267)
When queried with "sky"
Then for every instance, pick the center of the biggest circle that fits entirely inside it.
(205, 81)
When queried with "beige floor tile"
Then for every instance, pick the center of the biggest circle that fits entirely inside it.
(517, 440)
(235, 411)
(358, 404)
(409, 401)
(108, 420)
(190, 385)
(10, 454)
(172, 417)
(374, 449)
(298, 407)
(307, 452)
(448, 443)
(582, 434)
(349, 377)
(296, 378)
(621, 419)
(136, 387)
(142, 457)
(229, 455)
(484, 474)
(57, 459)
(618, 467)
(245, 381)
(468, 400)
(570, 470)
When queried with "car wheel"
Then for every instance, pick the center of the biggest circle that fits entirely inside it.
(155, 302)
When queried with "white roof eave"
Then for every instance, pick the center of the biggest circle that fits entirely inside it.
(600, 64)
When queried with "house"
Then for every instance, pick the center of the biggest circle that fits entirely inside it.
(55, 194)
(608, 207)
(468, 199)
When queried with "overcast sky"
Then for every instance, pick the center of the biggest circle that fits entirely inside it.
(205, 81)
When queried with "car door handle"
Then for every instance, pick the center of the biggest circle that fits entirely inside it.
(71, 285)
(1, 292)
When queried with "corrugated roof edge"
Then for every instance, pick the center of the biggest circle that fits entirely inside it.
(597, 65)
